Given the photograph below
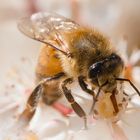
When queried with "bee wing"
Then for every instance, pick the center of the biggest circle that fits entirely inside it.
(48, 28)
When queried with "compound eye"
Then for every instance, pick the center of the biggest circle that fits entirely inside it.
(94, 72)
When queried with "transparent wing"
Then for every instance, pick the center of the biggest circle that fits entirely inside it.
(48, 28)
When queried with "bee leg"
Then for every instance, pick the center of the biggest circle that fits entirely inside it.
(127, 80)
(76, 107)
(96, 98)
(35, 97)
(114, 102)
(94, 101)
(84, 87)
(32, 102)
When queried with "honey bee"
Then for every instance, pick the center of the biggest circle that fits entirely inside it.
(72, 52)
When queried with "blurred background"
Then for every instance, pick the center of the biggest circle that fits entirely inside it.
(118, 19)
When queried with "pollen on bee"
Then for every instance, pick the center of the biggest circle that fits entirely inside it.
(104, 108)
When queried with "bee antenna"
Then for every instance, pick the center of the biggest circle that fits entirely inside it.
(127, 80)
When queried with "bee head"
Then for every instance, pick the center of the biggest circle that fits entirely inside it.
(106, 71)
